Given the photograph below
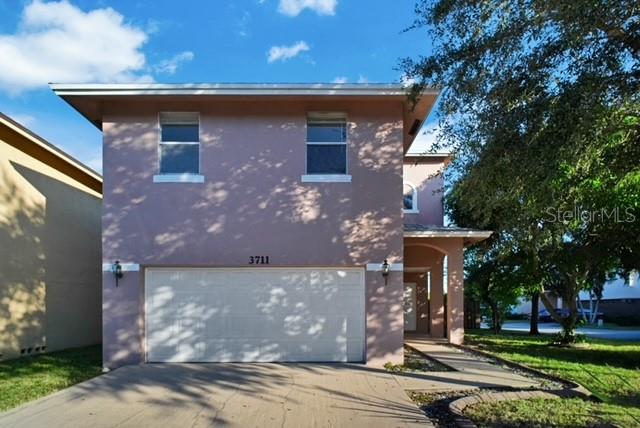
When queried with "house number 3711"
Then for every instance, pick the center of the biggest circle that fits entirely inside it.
(258, 260)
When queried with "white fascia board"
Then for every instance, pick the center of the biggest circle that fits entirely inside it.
(449, 234)
(231, 89)
(377, 267)
(126, 267)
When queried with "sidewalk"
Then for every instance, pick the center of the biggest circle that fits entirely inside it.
(470, 372)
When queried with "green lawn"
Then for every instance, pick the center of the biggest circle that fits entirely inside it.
(609, 369)
(540, 413)
(28, 378)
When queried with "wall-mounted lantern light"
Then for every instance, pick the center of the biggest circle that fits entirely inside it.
(116, 268)
(386, 268)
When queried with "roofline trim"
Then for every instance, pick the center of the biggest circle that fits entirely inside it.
(427, 155)
(484, 234)
(233, 89)
(41, 142)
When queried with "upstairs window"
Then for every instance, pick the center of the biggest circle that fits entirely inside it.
(410, 199)
(327, 144)
(179, 143)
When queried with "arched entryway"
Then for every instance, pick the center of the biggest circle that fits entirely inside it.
(433, 261)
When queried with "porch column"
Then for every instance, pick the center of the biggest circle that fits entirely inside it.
(436, 302)
(455, 297)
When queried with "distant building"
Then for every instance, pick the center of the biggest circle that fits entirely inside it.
(620, 299)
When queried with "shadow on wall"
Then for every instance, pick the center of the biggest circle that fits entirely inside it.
(254, 315)
(22, 272)
(254, 203)
(50, 258)
(252, 200)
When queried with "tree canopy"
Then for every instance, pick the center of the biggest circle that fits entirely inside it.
(541, 109)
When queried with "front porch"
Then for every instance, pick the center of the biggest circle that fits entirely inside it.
(434, 279)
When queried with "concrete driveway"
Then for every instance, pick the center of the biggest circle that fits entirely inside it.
(242, 395)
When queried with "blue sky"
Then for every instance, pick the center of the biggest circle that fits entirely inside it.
(189, 41)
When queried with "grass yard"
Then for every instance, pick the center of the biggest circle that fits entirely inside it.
(539, 413)
(609, 369)
(28, 378)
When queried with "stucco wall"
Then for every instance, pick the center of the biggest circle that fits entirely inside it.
(49, 257)
(252, 203)
(424, 174)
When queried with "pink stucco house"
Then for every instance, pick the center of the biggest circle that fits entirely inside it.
(270, 222)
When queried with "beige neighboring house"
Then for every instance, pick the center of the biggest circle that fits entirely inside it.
(50, 239)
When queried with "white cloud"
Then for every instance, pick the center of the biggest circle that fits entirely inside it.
(362, 79)
(407, 81)
(169, 66)
(294, 7)
(283, 53)
(243, 25)
(58, 42)
(340, 79)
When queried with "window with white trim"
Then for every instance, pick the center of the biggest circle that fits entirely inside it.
(179, 150)
(409, 198)
(326, 144)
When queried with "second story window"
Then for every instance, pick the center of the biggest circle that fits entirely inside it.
(327, 144)
(410, 199)
(179, 143)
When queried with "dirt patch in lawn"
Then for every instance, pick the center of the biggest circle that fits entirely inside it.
(416, 361)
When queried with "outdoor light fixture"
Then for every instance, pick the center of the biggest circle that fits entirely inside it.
(116, 268)
(385, 267)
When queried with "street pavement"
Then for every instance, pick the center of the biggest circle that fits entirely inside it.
(593, 332)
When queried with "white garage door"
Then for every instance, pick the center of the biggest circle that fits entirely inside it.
(258, 314)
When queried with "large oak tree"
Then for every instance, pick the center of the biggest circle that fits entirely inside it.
(541, 109)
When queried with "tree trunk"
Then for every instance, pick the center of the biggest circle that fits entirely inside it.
(535, 309)
(594, 312)
(549, 307)
(495, 317)
(581, 307)
(570, 323)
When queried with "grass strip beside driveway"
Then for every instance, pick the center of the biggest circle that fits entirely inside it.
(25, 379)
(609, 369)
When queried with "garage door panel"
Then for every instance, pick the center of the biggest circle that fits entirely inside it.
(255, 314)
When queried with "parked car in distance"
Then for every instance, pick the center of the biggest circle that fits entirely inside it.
(545, 316)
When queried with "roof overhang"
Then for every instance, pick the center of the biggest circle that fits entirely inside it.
(470, 236)
(27, 141)
(87, 99)
(418, 158)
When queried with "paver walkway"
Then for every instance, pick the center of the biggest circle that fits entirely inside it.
(470, 372)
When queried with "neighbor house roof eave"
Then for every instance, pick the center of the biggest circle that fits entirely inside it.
(94, 179)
